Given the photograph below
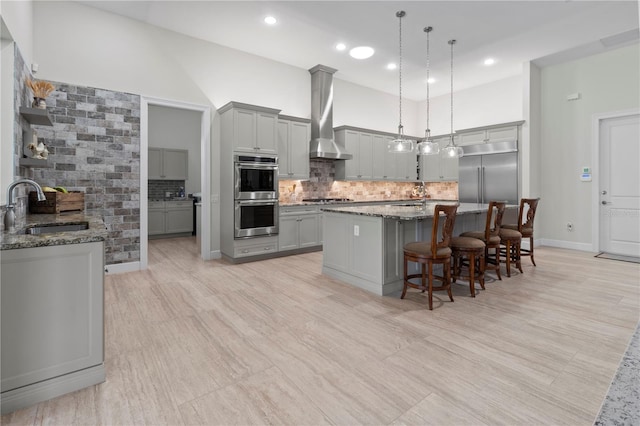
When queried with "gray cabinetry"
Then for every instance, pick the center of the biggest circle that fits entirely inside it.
(253, 128)
(52, 321)
(299, 227)
(170, 217)
(360, 144)
(255, 247)
(293, 147)
(371, 159)
(507, 132)
(170, 164)
(436, 168)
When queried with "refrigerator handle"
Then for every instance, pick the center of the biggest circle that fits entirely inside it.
(479, 186)
(483, 188)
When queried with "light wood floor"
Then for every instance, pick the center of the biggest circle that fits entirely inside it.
(276, 342)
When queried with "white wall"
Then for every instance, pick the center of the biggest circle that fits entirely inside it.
(7, 117)
(358, 106)
(606, 82)
(492, 103)
(18, 17)
(178, 129)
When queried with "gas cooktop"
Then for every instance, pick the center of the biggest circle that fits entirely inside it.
(326, 200)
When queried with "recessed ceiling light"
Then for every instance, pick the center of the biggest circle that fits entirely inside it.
(391, 66)
(431, 80)
(361, 52)
(270, 20)
(489, 61)
(341, 46)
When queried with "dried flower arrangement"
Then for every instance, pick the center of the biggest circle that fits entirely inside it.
(41, 89)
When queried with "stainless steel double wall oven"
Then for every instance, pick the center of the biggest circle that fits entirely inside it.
(256, 195)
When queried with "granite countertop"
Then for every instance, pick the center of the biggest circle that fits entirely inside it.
(171, 199)
(14, 239)
(366, 202)
(411, 211)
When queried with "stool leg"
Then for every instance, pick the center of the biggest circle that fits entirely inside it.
(481, 270)
(518, 262)
(472, 279)
(423, 279)
(447, 277)
(508, 256)
(531, 250)
(430, 286)
(404, 288)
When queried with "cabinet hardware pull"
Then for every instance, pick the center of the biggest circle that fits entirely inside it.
(245, 251)
(267, 248)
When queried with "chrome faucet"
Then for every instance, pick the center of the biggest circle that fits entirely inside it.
(10, 215)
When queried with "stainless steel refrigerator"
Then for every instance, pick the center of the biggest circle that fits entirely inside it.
(489, 172)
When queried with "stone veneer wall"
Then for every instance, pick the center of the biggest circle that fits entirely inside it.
(322, 185)
(94, 147)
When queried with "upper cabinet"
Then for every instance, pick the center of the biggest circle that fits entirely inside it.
(506, 132)
(360, 145)
(168, 164)
(371, 159)
(254, 128)
(294, 135)
(436, 168)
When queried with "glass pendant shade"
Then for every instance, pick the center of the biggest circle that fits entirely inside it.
(428, 146)
(400, 144)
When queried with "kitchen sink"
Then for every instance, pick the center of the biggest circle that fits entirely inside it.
(54, 228)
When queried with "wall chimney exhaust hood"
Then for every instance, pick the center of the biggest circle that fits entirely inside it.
(323, 144)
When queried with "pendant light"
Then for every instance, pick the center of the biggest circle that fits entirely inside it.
(427, 146)
(400, 144)
(451, 150)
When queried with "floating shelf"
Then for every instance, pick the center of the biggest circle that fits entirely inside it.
(35, 163)
(36, 116)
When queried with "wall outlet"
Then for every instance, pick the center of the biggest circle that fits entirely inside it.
(569, 226)
(356, 230)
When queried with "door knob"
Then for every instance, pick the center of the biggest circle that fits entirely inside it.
(604, 192)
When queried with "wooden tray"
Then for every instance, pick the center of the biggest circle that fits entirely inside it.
(56, 202)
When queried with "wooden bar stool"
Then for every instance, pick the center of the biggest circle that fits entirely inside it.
(427, 254)
(525, 224)
(511, 239)
(491, 236)
(471, 249)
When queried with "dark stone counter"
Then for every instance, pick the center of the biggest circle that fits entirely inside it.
(17, 239)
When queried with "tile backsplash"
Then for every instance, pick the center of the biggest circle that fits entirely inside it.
(321, 184)
(158, 188)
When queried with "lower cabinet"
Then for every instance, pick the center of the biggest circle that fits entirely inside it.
(52, 322)
(255, 246)
(299, 227)
(170, 217)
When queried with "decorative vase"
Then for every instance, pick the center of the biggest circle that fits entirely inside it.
(39, 103)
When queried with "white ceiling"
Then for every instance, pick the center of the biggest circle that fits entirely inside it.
(511, 32)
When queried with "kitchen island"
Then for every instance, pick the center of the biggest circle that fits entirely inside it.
(363, 245)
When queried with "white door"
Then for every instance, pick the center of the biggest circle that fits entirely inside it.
(620, 185)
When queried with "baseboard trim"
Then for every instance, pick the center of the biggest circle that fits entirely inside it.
(32, 394)
(565, 245)
(215, 254)
(119, 268)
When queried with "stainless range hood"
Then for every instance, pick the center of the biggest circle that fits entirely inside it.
(322, 143)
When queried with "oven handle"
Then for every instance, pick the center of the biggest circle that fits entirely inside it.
(261, 166)
(257, 202)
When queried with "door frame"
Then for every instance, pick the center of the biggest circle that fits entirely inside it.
(596, 122)
(205, 172)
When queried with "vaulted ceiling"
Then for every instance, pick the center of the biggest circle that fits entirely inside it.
(306, 33)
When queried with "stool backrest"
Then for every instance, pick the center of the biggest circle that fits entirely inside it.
(531, 213)
(494, 219)
(447, 226)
